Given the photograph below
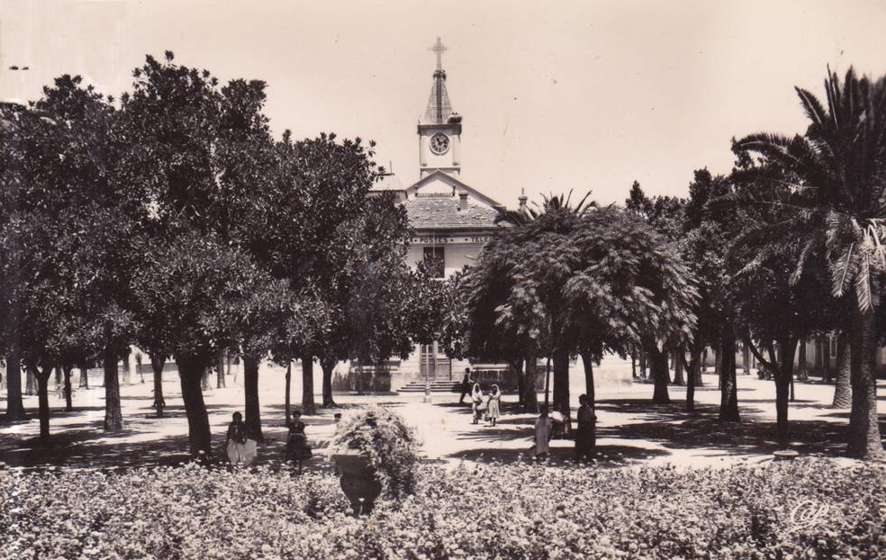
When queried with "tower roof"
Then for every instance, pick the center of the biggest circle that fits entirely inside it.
(439, 108)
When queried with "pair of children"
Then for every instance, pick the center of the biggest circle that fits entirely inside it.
(489, 404)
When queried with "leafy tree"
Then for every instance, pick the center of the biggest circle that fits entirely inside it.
(833, 176)
(78, 223)
(630, 278)
(316, 194)
(193, 288)
(201, 155)
(580, 280)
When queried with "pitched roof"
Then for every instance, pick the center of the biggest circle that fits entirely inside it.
(443, 212)
(455, 182)
(388, 182)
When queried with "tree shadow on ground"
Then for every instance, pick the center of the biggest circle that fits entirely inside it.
(490, 433)
(82, 449)
(751, 436)
(672, 411)
(54, 412)
(606, 456)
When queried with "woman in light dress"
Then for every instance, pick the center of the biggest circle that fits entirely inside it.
(477, 403)
(543, 434)
(493, 405)
(241, 450)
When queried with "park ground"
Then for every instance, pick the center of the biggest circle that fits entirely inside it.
(631, 429)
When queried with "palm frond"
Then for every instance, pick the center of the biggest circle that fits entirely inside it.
(863, 284)
(813, 107)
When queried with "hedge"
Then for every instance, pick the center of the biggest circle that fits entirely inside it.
(804, 509)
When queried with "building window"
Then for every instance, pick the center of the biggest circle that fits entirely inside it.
(435, 259)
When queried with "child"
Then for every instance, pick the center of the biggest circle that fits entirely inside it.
(493, 405)
(543, 434)
(477, 403)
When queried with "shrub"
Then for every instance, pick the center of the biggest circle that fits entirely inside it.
(390, 445)
(486, 511)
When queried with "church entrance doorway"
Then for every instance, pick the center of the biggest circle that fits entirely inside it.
(434, 364)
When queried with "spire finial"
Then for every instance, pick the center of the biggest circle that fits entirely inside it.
(439, 49)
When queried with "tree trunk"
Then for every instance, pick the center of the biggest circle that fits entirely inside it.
(728, 381)
(59, 377)
(328, 366)
(843, 388)
(588, 362)
(15, 409)
(42, 378)
(127, 374)
(530, 390)
(802, 368)
(69, 406)
(679, 380)
(659, 375)
(692, 377)
(30, 382)
(113, 413)
(84, 375)
(784, 360)
(157, 363)
(516, 366)
(307, 380)
(864, 430)
(190, 371)
(745, 359)
(250, 389)
(826, 358)
(781, 409)
(633, 365)
(561, 382)
(643, 370)
(286, 398)
(702, 367)
(204, 379)
(699, 358)
(220, 369)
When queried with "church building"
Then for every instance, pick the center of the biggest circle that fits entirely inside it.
(451, 219)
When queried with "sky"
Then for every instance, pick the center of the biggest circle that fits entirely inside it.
(554, 95)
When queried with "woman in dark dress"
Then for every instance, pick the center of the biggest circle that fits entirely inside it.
(297, 448)
(585, 437)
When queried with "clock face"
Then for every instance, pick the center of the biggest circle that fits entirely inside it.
(439, 143)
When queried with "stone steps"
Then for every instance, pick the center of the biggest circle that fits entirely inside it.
(437, 386)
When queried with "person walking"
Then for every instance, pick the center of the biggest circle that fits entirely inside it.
(543, 434)
(586, 436)
(465, 386)
(477, 403)
(493, 405)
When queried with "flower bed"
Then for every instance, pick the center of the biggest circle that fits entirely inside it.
(805, 509)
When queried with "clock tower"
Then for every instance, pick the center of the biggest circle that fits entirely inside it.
(439, 130)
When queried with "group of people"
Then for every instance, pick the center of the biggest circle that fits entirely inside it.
(485, 406)
(488, 406)
(242, 449)
(585, 433)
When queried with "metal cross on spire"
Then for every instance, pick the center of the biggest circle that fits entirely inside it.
(439, 49)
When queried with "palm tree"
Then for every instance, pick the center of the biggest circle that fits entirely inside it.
(836, 173)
